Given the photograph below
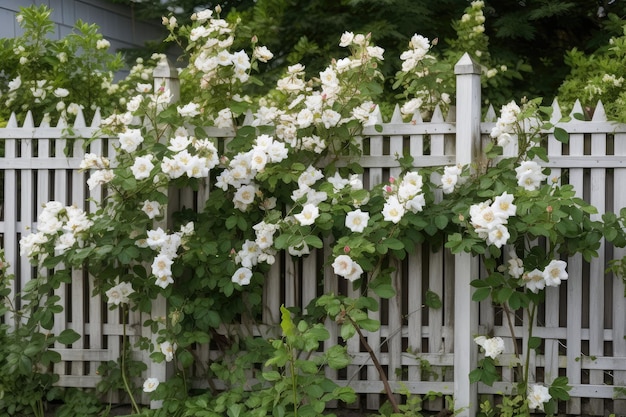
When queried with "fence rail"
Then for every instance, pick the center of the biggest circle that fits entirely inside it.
(582, 325)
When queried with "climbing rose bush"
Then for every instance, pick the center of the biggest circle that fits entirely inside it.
(281, 185)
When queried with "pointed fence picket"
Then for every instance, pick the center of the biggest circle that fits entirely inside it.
(422, 349)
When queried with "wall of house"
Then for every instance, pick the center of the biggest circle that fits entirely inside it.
(115, 21)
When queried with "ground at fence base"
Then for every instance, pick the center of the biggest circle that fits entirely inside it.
(123, 410)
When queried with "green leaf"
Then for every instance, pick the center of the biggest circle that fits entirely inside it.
(67, 337)
(561, 135)
(481, 294)
(432, 300)
(231, 222)
(347, 330)
(368, 324)
(441, 221)
(476, 375)
(286, 323)
(337, 357)
(314, 241)
(534, 342)
(384, 290)
(393, 243)
(50, 356)
(185, 357)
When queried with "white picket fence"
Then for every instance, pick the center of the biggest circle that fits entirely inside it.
(424, 350)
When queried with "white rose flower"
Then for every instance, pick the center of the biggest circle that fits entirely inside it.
(342, 265)
(61, 92)
(142, 167)
(242, 276)
(150, 385)
(161, 266)
(119, 294)
(537, 396)
(529, 175)
(554, 273)
(346, 39)
(151, 208)
(503, 206)
(164, 281)
(130, 140)
(393, 210)
(493, 347)
(262, 53)
(357, 220)
(188, 110)
(309, 213)
(167, 349)
(534, 280)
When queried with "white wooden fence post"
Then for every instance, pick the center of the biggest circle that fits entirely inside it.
(468, 100)
(165, 76)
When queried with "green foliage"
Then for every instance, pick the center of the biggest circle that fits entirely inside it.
(412, 407)
(79, 403)
(53, 78)
(598, 76)
(291, 381)
(26, 354)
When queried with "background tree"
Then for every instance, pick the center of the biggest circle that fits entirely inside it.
(536, 32)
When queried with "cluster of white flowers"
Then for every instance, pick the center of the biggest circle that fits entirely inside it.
(493, 347)
(353, 182)
(315, 107)
(551, 276)
(192, 157)
(529, 175)
(490, 219)
(244, 167)
(537, 396)
(346, 267)
(293, 81)
(402, 196)
(361, 41)
(167, 246)
(213, 39)
(313, 102)
(59, 224)
(613, 80)
(254, 251)
(119, 293)
(506, 123)
(451, 178)
(103, 44)
(188, 110)
(39, 90)
(419, 47)
(93, 161)
(475, 18)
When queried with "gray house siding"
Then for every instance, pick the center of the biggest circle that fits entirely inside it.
(115, 21)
